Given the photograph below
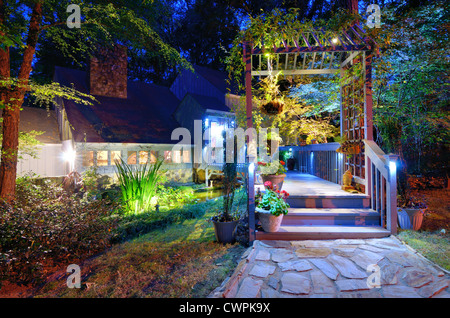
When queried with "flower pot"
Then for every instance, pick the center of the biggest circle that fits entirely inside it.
(272, 108)
(225, 231)
(403, 219)
(276, 179)
(269, 222)
(410, 218)
(291, 164)
(415, 217)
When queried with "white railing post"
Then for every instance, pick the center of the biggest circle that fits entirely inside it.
(391, 193)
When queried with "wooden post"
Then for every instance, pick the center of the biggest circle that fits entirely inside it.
(391, 193)
(368, 103)
(250, 138)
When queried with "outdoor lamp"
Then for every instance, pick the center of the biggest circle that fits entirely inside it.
(69, 156)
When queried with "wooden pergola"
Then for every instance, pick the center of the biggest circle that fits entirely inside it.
(314, 53)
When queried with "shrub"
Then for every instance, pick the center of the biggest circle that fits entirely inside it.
(46, 227)
(138, 185)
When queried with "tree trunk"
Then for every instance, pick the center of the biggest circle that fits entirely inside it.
(13, 99)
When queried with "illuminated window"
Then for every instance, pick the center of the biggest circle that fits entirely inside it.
(102, 158)
(131, 158)
(88, 159)
(115, 156)
(153, 156)
(186, 156)
(216, 134)
(167, 156)
(143, 157)
(177, 156)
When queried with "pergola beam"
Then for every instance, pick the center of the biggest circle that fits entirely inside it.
(296, 72)
(311, 49)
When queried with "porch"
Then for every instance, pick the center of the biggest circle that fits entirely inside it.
(321, 209)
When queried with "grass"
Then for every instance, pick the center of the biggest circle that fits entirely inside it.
(429, 240)
(432, 245)
(177, 260)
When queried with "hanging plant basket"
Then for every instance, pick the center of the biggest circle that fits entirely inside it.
(273, 107)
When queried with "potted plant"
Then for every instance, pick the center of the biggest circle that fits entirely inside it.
(225, 222)
(272, 103)
(272, 171)
(271, 208)
(411, 207)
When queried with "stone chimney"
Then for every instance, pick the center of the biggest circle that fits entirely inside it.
(108, 72)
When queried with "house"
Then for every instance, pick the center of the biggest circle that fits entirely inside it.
(134, 120)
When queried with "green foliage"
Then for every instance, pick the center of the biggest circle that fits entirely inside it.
(274, 202)
(411, 87)
(274, 167)
(45, 226)
(172, 196)
(138, 185)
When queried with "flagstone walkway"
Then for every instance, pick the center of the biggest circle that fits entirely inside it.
(354, 268)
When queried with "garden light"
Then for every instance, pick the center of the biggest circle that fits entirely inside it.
(69, 156)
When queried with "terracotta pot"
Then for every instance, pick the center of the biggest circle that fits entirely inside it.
(416, 218)
(403, 219)
(276, 179)
(410, 218)
(269, 222)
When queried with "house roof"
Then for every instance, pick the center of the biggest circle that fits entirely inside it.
(211, 103)
(145, 116)
(41, 120)
(217, 78)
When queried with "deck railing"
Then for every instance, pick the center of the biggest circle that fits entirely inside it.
(381, 184)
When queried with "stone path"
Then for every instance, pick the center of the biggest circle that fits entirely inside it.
(369, 268)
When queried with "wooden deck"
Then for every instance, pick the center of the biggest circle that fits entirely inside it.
(322, 210)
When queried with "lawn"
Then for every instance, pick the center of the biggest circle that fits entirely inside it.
(432, 240)
(171, 253)
(181, 260)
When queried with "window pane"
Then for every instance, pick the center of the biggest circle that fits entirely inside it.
(143, 157)
(167, 156)
(131, 157)
(115, 156)
(186, 156)
(88, 159)
(153, 156)
(177, 156)
(102, 158)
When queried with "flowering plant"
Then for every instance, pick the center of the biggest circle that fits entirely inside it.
(274, 200)
(275, 167)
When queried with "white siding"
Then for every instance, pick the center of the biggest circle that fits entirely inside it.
(49, 162)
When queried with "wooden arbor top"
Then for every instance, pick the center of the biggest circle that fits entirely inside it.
(309, 53)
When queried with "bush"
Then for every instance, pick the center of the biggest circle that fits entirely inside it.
(45, 227)
(138, 185)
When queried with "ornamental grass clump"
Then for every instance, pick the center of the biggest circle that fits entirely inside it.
(138, 185)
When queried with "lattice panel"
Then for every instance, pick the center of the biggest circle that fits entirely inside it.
(352, 120)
